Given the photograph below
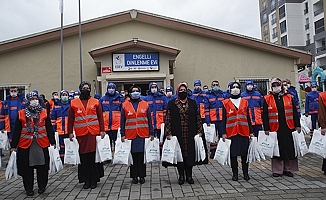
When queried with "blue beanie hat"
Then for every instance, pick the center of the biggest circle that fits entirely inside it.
(314, 83)
(197, 82)
(111, 85)
(62, 91)
(97, 96)
(169, 88)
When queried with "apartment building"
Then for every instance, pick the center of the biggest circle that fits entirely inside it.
(297, 24)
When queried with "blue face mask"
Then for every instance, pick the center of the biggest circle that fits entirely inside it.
(197, 88)
(135, 95)
(215, 88)
(111, 91)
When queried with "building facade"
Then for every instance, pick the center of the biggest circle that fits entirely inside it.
(136, 47)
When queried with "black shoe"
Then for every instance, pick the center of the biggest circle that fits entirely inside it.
(190, 180)
(87, 185)
(246, 177)
(93, 184)
(142, 180)
(325, 172)
(41, 190)
(276, 175)
(181, 180)
(2, 155)
(134, 180)
(29, 192)
(235, 177)
(289, 174)
(211, 156)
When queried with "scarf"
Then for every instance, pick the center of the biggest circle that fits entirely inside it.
(32, 113)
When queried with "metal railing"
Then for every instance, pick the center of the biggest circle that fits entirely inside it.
(317, 12)
(320, 49)
(282, 15)
(283, 30)
(319, 29)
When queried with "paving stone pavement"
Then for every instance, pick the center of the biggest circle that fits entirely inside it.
(212, 181)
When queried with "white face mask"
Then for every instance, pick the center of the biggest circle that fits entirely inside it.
(13, 94)
(153, 90)
(249, 87)
(76, 97)
(277, 89)
(314, 89)
(56, 97)
(33, 103)
(169, 94)
(235, 91)
(289, 85)
(285, 87)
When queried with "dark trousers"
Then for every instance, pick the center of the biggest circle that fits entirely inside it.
(256, 129)
(113, 137)
(138, 168)
(234, 165)
(314, 118)
(183, 167)
(42, 177)
(157, 133)
(88, 170)
(62, 146)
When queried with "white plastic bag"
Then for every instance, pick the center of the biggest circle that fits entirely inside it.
(56, 137)
(318, 144)
(122, 152)
(268, 143)
(55, 160)
(4, 142)
(71, 152)
(254, 152)
(210, 132)
(152, 150)
(305, 124)
(169, 150)
(199, 149)
(222, 153)
(11, 170)
(300, 145)
(162, 132)
(103, 149)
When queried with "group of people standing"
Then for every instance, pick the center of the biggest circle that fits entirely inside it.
(236, 115)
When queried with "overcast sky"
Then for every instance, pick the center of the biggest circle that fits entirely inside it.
(24, 17)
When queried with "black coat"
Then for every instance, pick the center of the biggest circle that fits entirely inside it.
(193, 130)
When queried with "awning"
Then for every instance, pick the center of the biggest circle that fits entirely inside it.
(304, 79)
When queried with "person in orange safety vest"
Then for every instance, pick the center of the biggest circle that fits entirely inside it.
(237, 127)
(32, 136)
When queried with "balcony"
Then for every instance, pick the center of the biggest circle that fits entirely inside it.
(305, 11)
(307, 42)
(306, 27)
(274, 35)
(319, 11)
(282, 15)
(319, 29)
(320, 49)
(273, 21)
(283, 30)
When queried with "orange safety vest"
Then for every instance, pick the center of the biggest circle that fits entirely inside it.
(115, 120)
(26, 138)
(136, 122)
(273, 112)
(212, 111)
(58, 122)
(323, 97)
(86, 121)
(236, 120)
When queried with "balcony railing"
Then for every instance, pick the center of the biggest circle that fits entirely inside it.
(306, 26)
(283, 30)
(319, 29)
(274, 35)
(282, 15)
(317, 12)
(305, 11)
(320, 49)
(307, 42)
(273, 21)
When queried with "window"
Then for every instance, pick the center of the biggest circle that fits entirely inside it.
(265, 30)
(263, 6)
(266, 39)
(306, 26)
(308, 39)
(274, 35)
(281, 12)
(272, 4)
(264, 18)
(273, 18)
(319, 26)
(305, 11)
(284, 40)
(283, 26)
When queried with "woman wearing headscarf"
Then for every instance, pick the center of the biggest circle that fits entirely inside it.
(236, 125)
(85, 116)
(280, 115)
(136, 125)
(183, 120)
(33, 134)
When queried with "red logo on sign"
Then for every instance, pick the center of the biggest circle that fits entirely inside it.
(106, 70)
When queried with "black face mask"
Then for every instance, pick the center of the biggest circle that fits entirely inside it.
(182, 95)
(85, 94)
